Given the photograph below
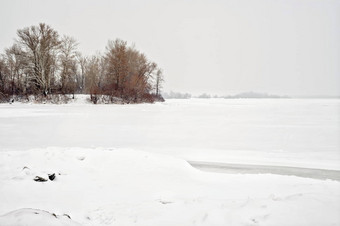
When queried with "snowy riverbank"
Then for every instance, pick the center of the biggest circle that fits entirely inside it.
(129, 187)
(127, 164)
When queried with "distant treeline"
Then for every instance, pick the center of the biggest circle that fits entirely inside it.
(43, 63)
(178, 95)
(254, 95)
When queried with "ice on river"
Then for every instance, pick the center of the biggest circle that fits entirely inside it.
(125, 164)
(288, 132)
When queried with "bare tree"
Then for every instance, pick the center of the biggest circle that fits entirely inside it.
(4, 79)
(92, 73)
(117, 66)
(142, 73)
(159, 80)
(128, 72)
(16, 64)
(40, 44)
(68, 64)
(82, 61)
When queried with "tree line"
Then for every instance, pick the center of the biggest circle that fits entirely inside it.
(43, 63)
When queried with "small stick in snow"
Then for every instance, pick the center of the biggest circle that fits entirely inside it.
(39, 179)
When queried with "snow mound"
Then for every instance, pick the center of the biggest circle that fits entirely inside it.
(35, 217)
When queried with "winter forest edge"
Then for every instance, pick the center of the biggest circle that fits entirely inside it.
(45, 66)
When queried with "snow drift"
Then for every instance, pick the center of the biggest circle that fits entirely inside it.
(26, 216)
(130, 187)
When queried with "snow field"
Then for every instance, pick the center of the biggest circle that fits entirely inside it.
(129, 187)
(28, 216)
(125, 164)
(286, 132)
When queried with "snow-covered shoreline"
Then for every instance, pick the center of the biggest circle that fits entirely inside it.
(131, 187)
(127, 164)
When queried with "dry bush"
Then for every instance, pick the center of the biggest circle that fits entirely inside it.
(52, 99)
(4, 98)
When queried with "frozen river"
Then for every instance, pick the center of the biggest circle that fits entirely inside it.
(322, 174)
(284, 132)
(123, 164)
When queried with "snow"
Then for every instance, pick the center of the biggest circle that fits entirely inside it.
(286, 132)
(127, 164)
(129, 187)
(26, 216)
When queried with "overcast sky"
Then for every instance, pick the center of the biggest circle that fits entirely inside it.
(288, 47)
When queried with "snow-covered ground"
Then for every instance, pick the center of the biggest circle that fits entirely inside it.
(125, 164)
(127, 187)
(290, 132)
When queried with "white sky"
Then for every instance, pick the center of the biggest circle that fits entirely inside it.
(288, 47)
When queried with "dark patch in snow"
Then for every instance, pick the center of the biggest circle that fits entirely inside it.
(39, 179)
(51, 176)
(66, 215)
(81, 158)
(165, 202)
